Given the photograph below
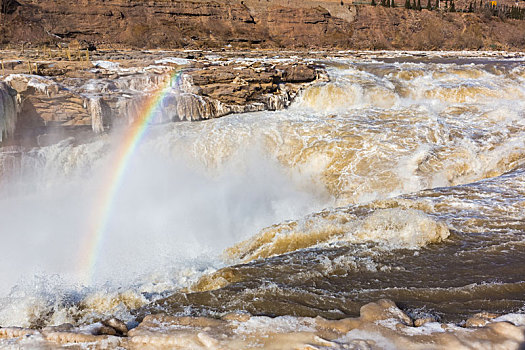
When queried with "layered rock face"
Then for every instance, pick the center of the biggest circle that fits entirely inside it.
(81, 102)
(177, 23)
(254, 24)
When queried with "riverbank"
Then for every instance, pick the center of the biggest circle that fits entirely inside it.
(381, 325)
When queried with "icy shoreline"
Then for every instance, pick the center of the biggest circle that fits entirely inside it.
(381, 325)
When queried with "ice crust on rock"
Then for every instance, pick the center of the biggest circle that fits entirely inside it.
(381, 325)
(8, 110)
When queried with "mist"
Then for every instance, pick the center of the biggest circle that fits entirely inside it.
(170, 208)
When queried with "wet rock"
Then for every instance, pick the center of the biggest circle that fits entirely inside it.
(475, 322)
(168, 332)
(480, 319)
(119, 326)
(65, 327)
(421, 321)
(104, 330)
(26, 84)
(382, 310)
(344, 325)
(105, 341)
(240, 85)
(486, 315)
(298, 73)
(237, 316)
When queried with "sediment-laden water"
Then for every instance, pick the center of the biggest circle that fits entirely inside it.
(397, 179)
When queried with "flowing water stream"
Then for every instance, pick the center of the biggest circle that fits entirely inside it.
(400, 180)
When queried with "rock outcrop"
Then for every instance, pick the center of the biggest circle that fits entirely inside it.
(80, 102)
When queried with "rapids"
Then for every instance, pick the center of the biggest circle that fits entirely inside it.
(399, 179)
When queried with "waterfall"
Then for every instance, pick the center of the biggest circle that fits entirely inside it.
(97, 119)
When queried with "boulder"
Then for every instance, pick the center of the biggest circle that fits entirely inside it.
(119, 326)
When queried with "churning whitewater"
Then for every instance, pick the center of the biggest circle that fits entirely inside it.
(398, 178)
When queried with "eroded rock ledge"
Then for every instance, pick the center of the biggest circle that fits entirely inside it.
(92, 97)
(380, 325)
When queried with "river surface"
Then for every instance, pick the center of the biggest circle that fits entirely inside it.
(400, 178)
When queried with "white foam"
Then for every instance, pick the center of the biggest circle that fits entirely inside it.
(173, 216)
(515, 319)
(283, 324)
(399, 228)
(97, 120)
(368, 337)
(112, 66)
(175, 60)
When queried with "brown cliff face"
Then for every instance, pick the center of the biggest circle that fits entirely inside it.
(253, 24)
(175, 23)
(386, 28)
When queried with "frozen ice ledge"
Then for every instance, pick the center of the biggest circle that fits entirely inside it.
(381, 325)
(8, 110)
(37, 110)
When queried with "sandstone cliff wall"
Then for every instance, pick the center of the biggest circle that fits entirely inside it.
(254, 24)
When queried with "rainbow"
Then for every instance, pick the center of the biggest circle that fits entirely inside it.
(132, 138)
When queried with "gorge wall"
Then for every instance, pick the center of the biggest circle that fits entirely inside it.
(253, 24)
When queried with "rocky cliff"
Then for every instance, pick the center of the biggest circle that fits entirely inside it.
(254, 24)
(176, 23)
(81, 99)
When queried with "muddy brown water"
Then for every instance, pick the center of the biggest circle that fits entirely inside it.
(419, 164)
(481, 266)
